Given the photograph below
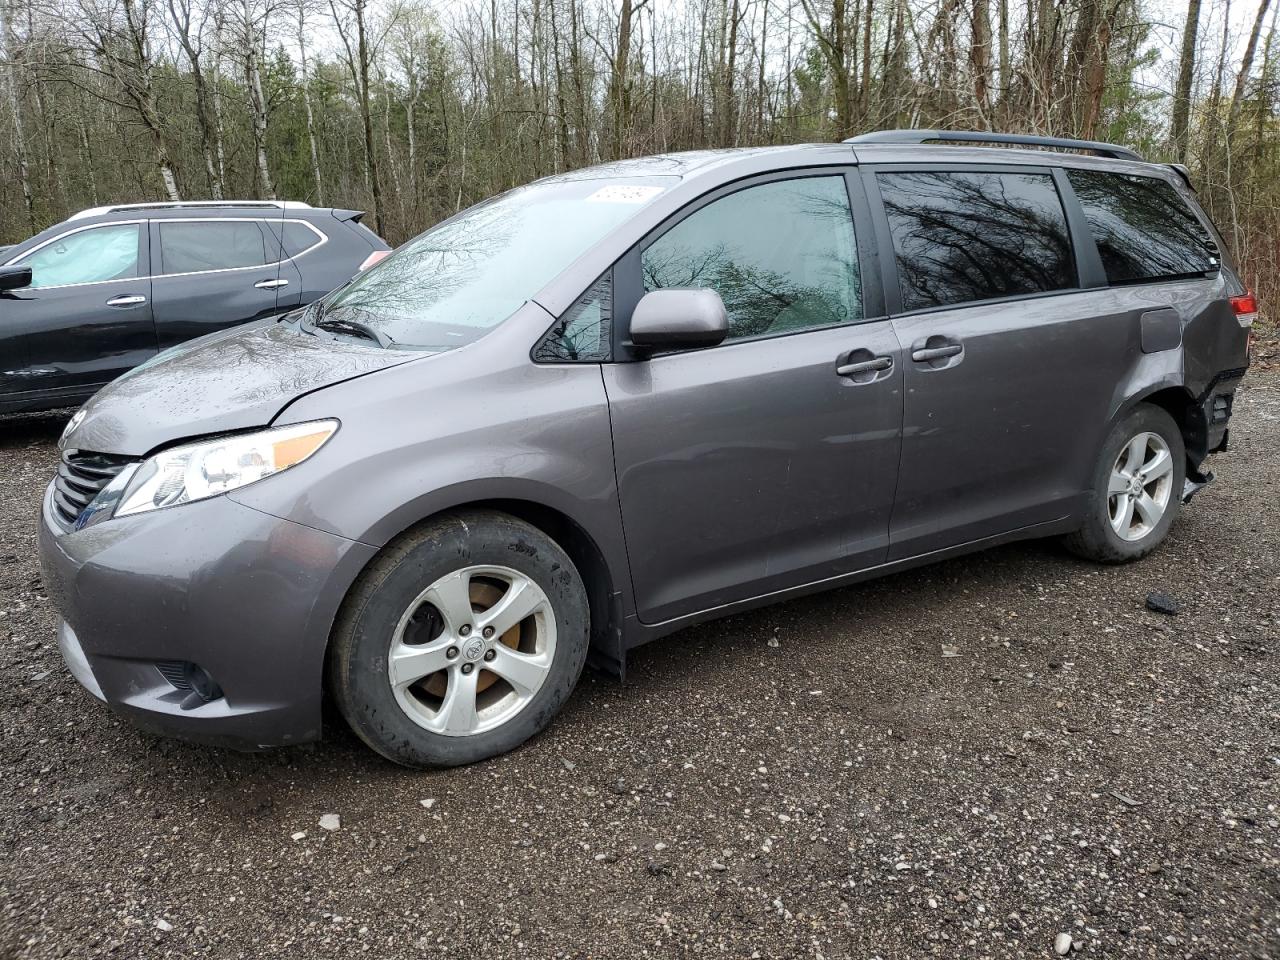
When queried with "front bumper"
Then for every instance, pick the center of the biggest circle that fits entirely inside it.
(247, 597)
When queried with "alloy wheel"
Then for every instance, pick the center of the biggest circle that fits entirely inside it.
(1140, 487)
(472, 650)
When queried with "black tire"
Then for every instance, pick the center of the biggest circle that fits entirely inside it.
(1097, 540)
(361, 642)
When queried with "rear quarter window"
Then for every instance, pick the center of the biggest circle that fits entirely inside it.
(298, 238)
(1144, 230)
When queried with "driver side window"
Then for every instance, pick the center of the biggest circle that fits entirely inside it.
(87, 256)
(781, 255)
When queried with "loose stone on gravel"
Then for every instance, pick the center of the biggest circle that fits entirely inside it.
(330, 821)
(1161, 603)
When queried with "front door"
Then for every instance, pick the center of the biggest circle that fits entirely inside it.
(1009, 363)
(768, 461)
(86, 317)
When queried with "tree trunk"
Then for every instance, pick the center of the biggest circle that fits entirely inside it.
(15, 106)
(306, 102)
(1246, 67)
(366, 115)
(980, 58)
(142, 92)
(1186, 73)
(1094, 80)
(257, 106)
(181, 14)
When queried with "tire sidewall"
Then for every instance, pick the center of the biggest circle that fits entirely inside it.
(1144, 418)
(363, 687)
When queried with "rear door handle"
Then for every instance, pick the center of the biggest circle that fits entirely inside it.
(925, 354)
(126, 301)
(271, 284)
(864, 366)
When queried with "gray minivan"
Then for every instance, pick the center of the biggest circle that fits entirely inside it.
(620, 401)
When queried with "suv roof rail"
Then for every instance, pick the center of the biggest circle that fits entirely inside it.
(981, 136)
(181, 204)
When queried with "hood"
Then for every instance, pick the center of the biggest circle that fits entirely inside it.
(232, 380)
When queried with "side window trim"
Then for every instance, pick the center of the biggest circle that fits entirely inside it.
(1088, 261)
(628, 279)
(884, 235)
(269, 237)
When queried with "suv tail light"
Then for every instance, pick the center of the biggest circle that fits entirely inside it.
(379, 255)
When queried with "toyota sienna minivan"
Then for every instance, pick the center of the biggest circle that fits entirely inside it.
(617, 402)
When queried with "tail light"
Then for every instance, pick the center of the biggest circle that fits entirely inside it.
(1245, 307)
(379, 255)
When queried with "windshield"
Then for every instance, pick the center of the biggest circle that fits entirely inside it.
(450, 285)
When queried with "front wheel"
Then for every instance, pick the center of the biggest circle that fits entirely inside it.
(461, 641)
(1136, 492)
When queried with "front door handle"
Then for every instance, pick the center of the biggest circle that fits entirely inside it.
(271, 284)
(126, 301)
(864, 366)
(926, 354)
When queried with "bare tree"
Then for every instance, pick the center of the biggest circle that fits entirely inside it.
(15, 110)
(188, 24)
(1186, 75)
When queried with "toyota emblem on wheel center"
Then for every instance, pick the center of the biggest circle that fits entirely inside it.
(474, 649)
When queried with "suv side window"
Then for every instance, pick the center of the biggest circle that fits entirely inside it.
(962, 236)
(190, 246)
(1143, 229)
(87, 256)
(298, 238)
(781, 255)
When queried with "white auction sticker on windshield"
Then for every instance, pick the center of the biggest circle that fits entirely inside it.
(622, 193)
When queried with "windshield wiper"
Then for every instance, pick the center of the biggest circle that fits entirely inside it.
(344, 325)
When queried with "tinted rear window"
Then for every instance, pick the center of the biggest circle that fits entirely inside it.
(297, 238)
(191, 246)
(1143, 229)
(965, 236)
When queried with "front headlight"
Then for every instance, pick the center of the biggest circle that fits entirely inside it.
(195, 471)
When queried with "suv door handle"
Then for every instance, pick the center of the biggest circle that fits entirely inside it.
(926, 354)
(271, 284)
(864, 366)
(126, 301)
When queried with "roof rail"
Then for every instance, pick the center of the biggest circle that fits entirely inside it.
(169, 205)
(980, 136)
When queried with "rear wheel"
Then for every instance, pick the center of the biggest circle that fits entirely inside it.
(1137, 488)
(461, 641)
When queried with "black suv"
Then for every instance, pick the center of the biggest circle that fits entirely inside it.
(94, 296)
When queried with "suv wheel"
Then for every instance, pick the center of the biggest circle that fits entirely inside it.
(461, 641)
(1137, 488)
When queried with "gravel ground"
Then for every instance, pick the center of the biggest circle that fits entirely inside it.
(968, 760)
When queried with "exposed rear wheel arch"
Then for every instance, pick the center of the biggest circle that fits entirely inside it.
(1186, 413)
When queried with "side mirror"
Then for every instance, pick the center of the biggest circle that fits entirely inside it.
(679, 319)
(14, 278)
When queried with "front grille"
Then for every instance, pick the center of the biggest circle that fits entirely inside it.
(80, 478)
